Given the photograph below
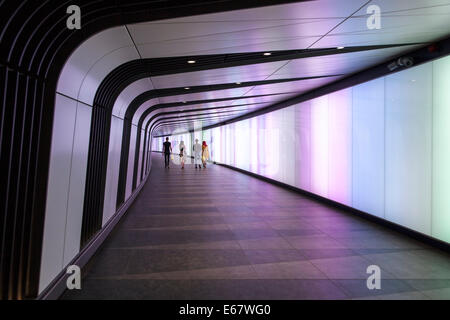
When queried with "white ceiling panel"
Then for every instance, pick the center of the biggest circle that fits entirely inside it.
(402, 21)
(128, 95)
(281, 27)
(195, 108)
(92, 60)
(280, 38)
(146, 120)
(193, 111)
(253, 72)
(205, 119)
(263, 99)
(200, 114)
(101, 69)
(143, 108)
(344, 63)
(209, 105)
(189, 125)
(209, 95)
(298, 87)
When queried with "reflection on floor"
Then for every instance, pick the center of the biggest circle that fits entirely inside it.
(220, 234)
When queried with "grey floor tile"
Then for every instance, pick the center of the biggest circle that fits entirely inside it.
(438, 294)
(219, 234)
(358, 288)
(349, 267)
(313, 254)
(147, 261)
(256, 256)
(412, 265)
(303, 289)
(288, 270)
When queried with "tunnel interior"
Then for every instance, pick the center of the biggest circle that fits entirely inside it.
(317, 102)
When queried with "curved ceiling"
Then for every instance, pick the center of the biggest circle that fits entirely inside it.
(144, 71)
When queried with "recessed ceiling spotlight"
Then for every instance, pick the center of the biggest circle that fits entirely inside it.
(238, 83)
(186, 88)
(339, 48)
(192, 61)
(267, 53)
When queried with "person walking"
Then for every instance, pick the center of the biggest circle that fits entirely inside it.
(197, 148)
(205, 154)
(167, 150)
(182, 148)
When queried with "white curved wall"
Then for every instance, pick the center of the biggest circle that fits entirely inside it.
(128, 94)
(77, 85)
(93, 60)
(66, 184)
(112, 174)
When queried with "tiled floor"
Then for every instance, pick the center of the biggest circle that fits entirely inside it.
(220, 234)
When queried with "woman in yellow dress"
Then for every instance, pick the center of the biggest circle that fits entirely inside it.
(205, 153)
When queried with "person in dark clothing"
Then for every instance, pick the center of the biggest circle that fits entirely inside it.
(167, 150)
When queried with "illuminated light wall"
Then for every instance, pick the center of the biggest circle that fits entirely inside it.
(303, 145)
(319, 145)
(157, 143)
(253, 144)
(216, 144)
(382, 147)
(368, 147)
(408, 153)
(440, 223)
(340, 147)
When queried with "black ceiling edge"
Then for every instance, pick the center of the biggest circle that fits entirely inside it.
(175, 121)
(106, 103)
(177, 104)
(201, 109)
(157, 93)
(122, 76)
(203, 101)
(123, 166)
(126, 139)
(188, 117)
(422, 55)
(159, 117)
(179, 64)
(37, 39)
(187, 121)
(118, 79)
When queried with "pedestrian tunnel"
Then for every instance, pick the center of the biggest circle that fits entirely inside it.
(310, 111)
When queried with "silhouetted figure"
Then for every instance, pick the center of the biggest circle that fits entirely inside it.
(167, 150)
